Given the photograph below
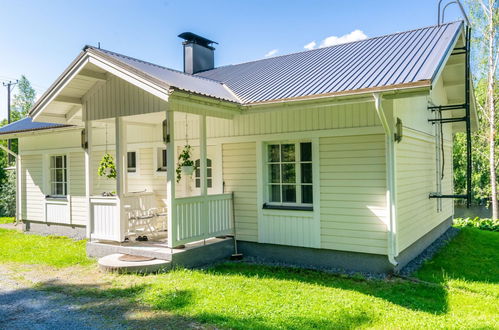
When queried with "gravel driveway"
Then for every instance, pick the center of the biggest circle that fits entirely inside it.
(22, 307)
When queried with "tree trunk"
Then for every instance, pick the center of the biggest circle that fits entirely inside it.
(491, 110)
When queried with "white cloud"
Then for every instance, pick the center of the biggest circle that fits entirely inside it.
(272, 53)
(349, 37)
(310, 45)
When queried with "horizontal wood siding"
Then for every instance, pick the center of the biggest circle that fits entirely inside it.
(239, 173)
(299, 120)
(32, 188)
(416, 178)
(353, 193)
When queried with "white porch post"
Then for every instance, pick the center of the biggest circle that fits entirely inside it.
(170, 179)
(88, 175)
(120, 131)
(18, 188)
(203, 155)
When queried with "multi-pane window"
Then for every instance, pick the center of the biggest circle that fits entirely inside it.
(161, 160)
(209, 171)
(289, 168)
(58, 175)
(131, 161)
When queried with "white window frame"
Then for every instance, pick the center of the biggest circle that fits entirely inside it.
(49, 176)
(208, 177)
(298, 184)
(136, 172)
(158, 161)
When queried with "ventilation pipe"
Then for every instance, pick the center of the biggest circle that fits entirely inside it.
(390, 178)
(198, 53)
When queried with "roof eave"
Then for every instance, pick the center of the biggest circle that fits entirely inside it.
(23, 133)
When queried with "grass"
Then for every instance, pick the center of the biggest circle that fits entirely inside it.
(53, 251)
(461, 291)
(4, 220)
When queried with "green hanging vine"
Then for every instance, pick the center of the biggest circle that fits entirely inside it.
(184, 160)
(107, 167)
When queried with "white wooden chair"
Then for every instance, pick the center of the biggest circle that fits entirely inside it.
(145, 217)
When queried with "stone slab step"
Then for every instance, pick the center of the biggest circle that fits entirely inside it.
(112, 263)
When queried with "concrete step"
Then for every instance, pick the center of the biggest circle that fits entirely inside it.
(98, 249)
(112, 263)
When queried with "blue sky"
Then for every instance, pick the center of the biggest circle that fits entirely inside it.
(40, 38)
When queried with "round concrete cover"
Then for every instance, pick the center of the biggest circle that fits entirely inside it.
(131, 258)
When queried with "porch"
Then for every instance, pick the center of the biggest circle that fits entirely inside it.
(150, 195)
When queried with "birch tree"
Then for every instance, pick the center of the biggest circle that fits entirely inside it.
(485, 19)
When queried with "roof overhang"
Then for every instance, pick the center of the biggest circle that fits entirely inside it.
(24, 133)
(62, 102)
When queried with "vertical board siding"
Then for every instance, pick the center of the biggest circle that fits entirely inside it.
(32, 188)
(239, 173)
(118, 97)
(416, 213)
(295, 228)
(104, 213)
(353, 193)
(282, 121)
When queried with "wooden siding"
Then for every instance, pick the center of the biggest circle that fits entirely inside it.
(77, 188)
(118, 97)
(32, 188)
(299, 120)
(353, 193)
(416, 178)
(239, 173)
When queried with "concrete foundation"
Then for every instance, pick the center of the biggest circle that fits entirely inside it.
(43, 228)
(421, 244)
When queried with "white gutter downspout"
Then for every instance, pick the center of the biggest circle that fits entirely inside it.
(18, 181)
(390, 179)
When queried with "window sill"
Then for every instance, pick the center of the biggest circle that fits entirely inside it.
(56, 198)
(287, 207)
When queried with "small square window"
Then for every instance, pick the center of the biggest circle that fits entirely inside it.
(161, 160)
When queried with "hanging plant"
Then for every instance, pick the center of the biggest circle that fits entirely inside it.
(185, 164)
(107, 167)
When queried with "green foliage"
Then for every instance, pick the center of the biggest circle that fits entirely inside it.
(184, 159)
(479, 223)
(8, 195)
(481, 188)
(23, 100)
(41, 250)
(4, 220)
(107, 167)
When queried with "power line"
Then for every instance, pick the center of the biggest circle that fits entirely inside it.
(10, 86)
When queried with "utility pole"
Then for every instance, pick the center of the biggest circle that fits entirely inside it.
(10, 86)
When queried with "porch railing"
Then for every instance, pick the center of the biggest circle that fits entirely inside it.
(202, 217)
(104, 218)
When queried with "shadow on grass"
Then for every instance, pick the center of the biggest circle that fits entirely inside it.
(84, 306)
(414, 296)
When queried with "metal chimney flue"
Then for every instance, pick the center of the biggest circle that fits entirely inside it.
(198, 53)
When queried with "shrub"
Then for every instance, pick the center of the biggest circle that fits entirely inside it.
(480, 223)
(8, 195)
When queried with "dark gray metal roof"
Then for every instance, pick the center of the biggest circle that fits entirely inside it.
(395, 59)
(175, 78)
(26, 124)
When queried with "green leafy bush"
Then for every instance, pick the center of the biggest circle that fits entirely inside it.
(480, 223)
(8, 195)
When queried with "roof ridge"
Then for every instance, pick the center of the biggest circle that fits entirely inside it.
(328, 47)
(150, 63)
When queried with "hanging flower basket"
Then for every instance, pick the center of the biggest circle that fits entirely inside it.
(107, 168)
(188, 170)
(185, 165)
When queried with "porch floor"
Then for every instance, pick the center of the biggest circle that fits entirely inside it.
(158, 248)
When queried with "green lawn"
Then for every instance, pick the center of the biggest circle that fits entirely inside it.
(463, 293)
(4, 220)
(41, 250)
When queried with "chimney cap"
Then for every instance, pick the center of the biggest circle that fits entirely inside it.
(192, 37)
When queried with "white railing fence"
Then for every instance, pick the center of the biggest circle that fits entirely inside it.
(104, 218)
(202, 217)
